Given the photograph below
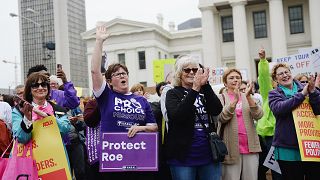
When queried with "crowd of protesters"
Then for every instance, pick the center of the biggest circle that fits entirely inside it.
(252, 117)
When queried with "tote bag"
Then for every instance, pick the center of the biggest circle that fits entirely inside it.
(4, 161)
(21, 167)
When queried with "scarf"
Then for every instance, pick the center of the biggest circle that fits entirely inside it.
(289, 92)
(46, 108)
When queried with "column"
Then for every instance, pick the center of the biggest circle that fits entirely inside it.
(131, 63)
(277, 28)
(241, 44)
(151, 54)
(314, 12)
(209, 39)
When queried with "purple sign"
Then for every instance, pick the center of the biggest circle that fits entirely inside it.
(121, 153)
(92, 144)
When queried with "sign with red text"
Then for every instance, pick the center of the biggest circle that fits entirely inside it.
(306, 62)
(308, 131)
(120, 153)
(48, 150)
(298, 63)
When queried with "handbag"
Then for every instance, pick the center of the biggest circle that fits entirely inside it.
(218, 147)
(22, 167)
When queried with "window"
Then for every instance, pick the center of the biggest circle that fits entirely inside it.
(227, 28)
(231, 64)
(122, 58)
(260, 24)
(296, 19)
(144, 84)
(176, 56)
(142, 59)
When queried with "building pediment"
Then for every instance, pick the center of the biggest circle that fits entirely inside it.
(123, 26)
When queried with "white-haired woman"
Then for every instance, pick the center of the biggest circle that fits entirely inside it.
(55, 82)
(188, 148)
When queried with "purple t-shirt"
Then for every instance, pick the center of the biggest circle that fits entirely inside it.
(121, 111)
(199, 152)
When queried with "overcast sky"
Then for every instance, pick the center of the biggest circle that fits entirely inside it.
(177, 11)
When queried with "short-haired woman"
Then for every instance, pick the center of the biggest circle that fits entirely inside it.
(238, 130)
(286, 97)
(188, 148)
(36, 93)
(118, 104)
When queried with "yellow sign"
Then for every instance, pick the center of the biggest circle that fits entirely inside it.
(48, 150)
(161, 69)
(79, 91)
(308, 131)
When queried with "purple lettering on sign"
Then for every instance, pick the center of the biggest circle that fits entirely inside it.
(121, 153)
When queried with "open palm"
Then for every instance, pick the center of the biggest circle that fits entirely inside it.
(101, 33)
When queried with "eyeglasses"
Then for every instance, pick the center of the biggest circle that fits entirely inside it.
(188, 70)
(284, 72)
(304, 82)
(42, 84)
(117, 75)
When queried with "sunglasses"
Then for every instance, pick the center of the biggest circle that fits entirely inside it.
(304, 82)
(188, 70)
(36, 85)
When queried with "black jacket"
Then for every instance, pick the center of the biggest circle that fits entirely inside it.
(181, 115)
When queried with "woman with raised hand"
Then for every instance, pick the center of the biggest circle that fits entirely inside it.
(187, 145)
(121, 110)
(238, 130)
(286, 97)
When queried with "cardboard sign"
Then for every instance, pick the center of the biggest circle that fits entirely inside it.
(121, 153)
(308, 131)
(48, 150)
(306, 63)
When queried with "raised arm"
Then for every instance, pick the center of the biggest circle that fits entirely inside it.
(264, 78)
(101, 36)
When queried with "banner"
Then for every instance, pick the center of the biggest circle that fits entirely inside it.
(92, 143)
(306, 63)
(121, 153)
(216, 74)
(308, 131)
(215, 77)
(48, 150)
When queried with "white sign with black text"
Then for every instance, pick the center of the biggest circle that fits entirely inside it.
(270, 162)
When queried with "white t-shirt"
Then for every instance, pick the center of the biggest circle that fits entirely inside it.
(6, 114)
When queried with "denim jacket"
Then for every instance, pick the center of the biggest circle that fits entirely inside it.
(24, 136)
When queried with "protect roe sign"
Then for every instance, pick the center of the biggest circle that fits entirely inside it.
(121, 153)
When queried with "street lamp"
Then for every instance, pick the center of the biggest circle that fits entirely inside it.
(39, 26)
(15, 69)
